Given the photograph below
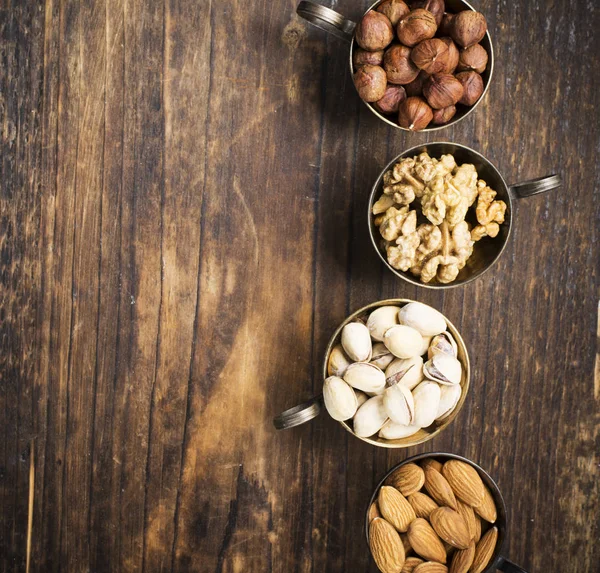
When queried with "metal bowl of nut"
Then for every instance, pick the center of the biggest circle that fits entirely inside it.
(440, 214)
(396, 373)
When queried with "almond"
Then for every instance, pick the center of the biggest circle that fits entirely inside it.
(487, 509)
(422, 504)
(484, 551)
(425, 542)
(386, 546)
(463, 559)
(373, 511)
(430, 462)
(394, 508)
(408, 479)
(467, 513)
(464, 481)
(439, 488)
(451, 527)
(477, 529)
(430, 567)
(410, 564)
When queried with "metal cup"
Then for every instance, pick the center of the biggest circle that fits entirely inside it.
(497, 561)
(487, 250)
(336, 24)
(312, 408)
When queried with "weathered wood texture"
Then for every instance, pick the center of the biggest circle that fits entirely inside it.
(183, 189)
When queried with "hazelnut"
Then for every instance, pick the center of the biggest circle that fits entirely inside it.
(473, 58)
(468, 28)
(398, 66)
(453, 56)
(414, 114)
(415, 88)
(390, 102)
(444, 115)
(370, 82)
(446, 25)
(436, 7)
(442, 90)
(472, 84)
(374, 32)
(361, 57)
(416, 26)
(430, 55)
(395, 10)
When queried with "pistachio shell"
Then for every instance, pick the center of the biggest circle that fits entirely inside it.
(392, 431)
(361, 397)
(443, 369)
(399, 404)
(366, 377)
(443, 343)
(426, 345)
(370, 417)
(356, 341)
(423, 318)
(403, 341)
(338, 361)
(340, 399)
(449, 397)
(405, 371)
(427, 400)
(381, 356)
(382, 319)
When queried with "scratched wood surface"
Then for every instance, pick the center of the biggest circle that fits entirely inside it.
(182, 195)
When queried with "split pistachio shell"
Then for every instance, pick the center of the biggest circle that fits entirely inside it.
(443, 369)
(427, 400)
(356, 341)
(381, 320)
(443, 343)
(405, 371)
(403, 341)
(426, 343)
(366, 377)
(370, 417)
(423, 318)
(392, 431)
(449, 397)
(338, 361)
(361, 397)
(399, 404)
(381, 356)
(340, 399)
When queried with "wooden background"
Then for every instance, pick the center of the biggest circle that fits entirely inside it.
(182, 226)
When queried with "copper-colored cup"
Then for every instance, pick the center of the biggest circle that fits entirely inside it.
(311, 409)
(336, 24)
(497, 561)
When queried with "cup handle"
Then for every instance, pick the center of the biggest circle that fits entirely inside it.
(326, 19)
(509, 566)
(535, 186)
(299, 414)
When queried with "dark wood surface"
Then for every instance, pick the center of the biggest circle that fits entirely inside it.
(182, 227)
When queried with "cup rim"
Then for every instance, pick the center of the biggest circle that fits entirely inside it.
(453, 121)
(404, 275)
(465, 385)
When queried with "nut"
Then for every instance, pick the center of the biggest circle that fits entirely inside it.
(399, 404)
(444, 115)
(362, 57)
(439, 488)
(484, 550)
(473, 58)
(409, 479)
(392, 431)
(426, 397)
(370, 417)
(370, 82)
(432, 463)
(436, 7)
(405, 371)
(403, 341)
(468, 28)
(410, 564)
(399, 68)
(340, 399)
(395, 10)
(395, 509)
(446, 24)
(416, 26)
(449, 397)
(356, 342)
(366, 377)
(430, 55)
(443, 369)
(423, 318)
(464, 481)
(425, 541)
(472, 84)
(463, 559)
(381, 356)
(442, 90)
(415, 88)
(390, 102)
(430, 567)
(386, 547)
(422, 503)
(338, 362)
(469, 516)
(415, 114)
(487, 508)
(453, 56)
(451, 527)
(381, 320)
(443, 343)
(374, 31)
(373, 511)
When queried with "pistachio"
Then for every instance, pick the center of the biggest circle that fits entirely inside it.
(340, 399)
(403, 341)
(443, 343)
(426, 345)
(338, 361)
(405, 371)
(399, 404)
(423, 318)
(356, 341)
(443, 369)
(449, 397)
(381, 356)
(366, 377)
(427, 400)
(361, 397)
(392, 431)
(381, 320)
(370, 417)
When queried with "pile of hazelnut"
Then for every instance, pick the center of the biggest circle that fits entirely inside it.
(419, 62)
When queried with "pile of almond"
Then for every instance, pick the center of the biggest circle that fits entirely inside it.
(433, 518)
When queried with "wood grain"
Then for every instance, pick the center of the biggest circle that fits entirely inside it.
(182, 227)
